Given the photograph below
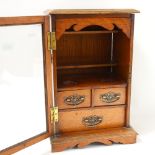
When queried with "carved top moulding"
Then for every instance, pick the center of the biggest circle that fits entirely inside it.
(78, 23)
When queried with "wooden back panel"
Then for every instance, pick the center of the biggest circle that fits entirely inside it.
(80, 49)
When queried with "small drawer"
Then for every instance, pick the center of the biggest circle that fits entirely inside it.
(91, 118)
(109, 96)
(74, 99)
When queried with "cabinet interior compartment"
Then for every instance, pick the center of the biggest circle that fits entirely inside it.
(91, 57)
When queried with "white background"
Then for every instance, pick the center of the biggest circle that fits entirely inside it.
(143, 81)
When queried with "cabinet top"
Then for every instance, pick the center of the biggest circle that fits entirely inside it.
(93, 11)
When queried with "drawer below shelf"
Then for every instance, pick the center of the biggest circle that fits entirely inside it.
(91, 118)
(74, 99)
(109, 96)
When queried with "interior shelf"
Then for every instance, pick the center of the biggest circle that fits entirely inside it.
(89, 81)
(90, 32)
(85, 66)
(92, 61)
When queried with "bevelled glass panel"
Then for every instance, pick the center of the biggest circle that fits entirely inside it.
(22, 93)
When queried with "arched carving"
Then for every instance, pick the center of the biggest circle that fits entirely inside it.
(80, 23)
(107, 137)
(56, 147)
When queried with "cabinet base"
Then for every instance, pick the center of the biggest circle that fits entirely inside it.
(81, 139)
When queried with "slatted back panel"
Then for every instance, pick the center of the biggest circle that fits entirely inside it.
(83, 49)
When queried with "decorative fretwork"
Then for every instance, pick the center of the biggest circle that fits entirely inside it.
(79, 23)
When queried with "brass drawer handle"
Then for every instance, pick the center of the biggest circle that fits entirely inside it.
(110, 97)
(74, 99)
(92, 121)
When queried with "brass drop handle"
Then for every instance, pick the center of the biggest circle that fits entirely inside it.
(110, 97)
(74, 99)
(92, 121)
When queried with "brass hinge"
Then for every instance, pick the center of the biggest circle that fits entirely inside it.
(51, 40)
(54, 114)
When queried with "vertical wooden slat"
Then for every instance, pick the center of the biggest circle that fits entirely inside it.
(48, 74)
(130, 72)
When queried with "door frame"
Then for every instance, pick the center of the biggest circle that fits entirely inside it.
(44, 21)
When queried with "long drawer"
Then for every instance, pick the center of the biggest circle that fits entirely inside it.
(91, 118)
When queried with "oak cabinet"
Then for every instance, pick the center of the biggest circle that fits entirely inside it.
(87, 75)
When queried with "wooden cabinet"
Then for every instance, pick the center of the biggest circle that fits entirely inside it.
(93, 61)
(88, 66)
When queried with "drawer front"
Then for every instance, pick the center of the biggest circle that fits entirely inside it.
(109, 96)
(74, 99)
(91, 118)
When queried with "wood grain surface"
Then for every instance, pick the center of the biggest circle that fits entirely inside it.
(98, 92)
(82, 139)
(71, 120)
(93, 11)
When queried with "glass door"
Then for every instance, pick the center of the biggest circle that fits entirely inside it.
(25, 82)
